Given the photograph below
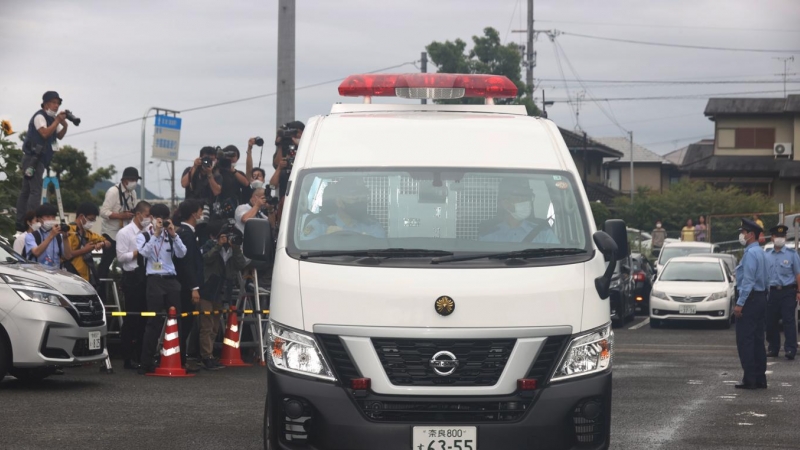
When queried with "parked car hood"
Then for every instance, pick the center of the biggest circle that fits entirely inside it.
(62, 281)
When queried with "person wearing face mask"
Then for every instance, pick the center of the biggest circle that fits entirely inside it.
(31, 225)
(256, 181)
(134, 283)
(783, 265)
(82, 241)
(190, 273)
(45, 129)
(659, 236)
(752, 280)
(46, 245)
(344, 210)
(514, 221)
(117, 211)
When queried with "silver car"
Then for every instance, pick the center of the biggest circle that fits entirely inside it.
(48, 319)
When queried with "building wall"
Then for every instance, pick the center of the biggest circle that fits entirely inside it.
(648, 175)
(594, 162)
(786, 130)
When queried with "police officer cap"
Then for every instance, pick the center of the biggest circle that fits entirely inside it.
(513, 186)
(51, 95)
(749, 225)
(348, 187)
(779, 230)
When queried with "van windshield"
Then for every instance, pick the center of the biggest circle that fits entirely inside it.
(450, 211)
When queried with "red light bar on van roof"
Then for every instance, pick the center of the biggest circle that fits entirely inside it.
(428, 85)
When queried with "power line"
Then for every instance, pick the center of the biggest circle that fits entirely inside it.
(656, 119)
(240, 100)
(677, 97)
(643, 25)
(513, 13)
(696, 47)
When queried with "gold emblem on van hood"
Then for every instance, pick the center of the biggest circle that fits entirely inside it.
(445, 305)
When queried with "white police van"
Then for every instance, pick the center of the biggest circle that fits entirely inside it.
(438, 279)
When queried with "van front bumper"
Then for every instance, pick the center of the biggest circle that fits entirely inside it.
(333, 419)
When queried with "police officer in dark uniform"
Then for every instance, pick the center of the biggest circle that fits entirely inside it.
(753, 281)
(783, 265)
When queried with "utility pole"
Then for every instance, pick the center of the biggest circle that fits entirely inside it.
(630, 133)
(785, 70)
(94, 157)
(286, 59)
(423, 68)
(173, 200)
(530, 63)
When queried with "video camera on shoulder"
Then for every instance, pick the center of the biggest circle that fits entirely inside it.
(224, 158)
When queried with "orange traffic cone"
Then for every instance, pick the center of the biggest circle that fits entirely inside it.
(170, 365)
(231, 355)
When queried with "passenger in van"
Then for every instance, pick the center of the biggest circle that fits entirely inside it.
(344, 209)
(513, 222)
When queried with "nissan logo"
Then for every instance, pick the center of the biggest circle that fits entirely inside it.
(444, 363)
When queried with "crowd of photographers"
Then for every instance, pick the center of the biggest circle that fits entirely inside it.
(190, 258)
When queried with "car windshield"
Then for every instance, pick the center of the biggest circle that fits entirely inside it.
(455, 212)
(673, 251)
(693, 271)
(8, 256)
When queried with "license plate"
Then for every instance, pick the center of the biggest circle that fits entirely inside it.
(445, 438)
(94, 340)
(687, 309)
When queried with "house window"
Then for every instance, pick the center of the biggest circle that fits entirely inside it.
(754, 138)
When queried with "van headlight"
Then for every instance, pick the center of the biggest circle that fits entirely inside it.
(297, 352)
(718, 295)
(587, 354)
(35, 291)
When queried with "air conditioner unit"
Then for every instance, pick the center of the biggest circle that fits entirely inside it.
(782, 149)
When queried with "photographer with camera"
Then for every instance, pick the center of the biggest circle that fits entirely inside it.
(230, 182)
(222, 261)
(46, 245)
(249, 171)
(197, 179)
(45, 129)
(286, 141)
(82, 241)
(117, 212)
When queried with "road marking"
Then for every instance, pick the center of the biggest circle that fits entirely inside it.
(751, 414)
(730, 382)
(694, 382)
(640, 324)
(745, 424)
(786, 385)
(770, 363)
(768, 372)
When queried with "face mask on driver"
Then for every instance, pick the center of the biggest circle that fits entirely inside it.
(742, 239)
(522, 210)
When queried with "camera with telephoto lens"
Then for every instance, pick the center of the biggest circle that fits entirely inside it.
(224, 158)
(259, 141)
(71, 117)
(235, 237)
(64, 227)
(207, 162)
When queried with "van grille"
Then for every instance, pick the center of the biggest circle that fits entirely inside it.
(339, 358)
(548, 357)
(88, 310)
(432, 411)
(407, 361)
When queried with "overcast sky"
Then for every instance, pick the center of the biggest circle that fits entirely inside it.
(112, 60)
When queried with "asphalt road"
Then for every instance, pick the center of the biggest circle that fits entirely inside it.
(673, 389)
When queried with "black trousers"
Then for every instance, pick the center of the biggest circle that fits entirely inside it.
(133, 289)
(30, 195)
(750, 339)
(188, 329)
(781, 306)
(104, 267)
(162, 293)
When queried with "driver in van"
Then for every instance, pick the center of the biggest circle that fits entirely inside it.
(513, 222)
(350, 197)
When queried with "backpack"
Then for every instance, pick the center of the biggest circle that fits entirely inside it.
(38, 237)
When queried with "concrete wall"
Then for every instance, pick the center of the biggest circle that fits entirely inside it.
(786, 130)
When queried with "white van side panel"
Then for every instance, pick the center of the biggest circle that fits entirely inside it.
(287, 304)
(596, 311)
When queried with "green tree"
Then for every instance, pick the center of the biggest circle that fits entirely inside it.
(10, 179)
(487, 56)
(689, 200)
(76, 178)
(601, 213)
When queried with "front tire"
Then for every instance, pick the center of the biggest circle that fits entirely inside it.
(655, 323)
(268, 432)
(32, 375)
(5, 356)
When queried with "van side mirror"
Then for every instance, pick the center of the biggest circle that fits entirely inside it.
(619, 233)
(258, 240)
(608, 248)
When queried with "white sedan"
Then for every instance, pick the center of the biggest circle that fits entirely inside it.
(693, 288)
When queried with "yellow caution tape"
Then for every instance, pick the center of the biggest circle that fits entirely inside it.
(186, 314)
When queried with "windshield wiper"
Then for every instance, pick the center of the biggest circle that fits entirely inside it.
(378, 252)
(519, 254)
